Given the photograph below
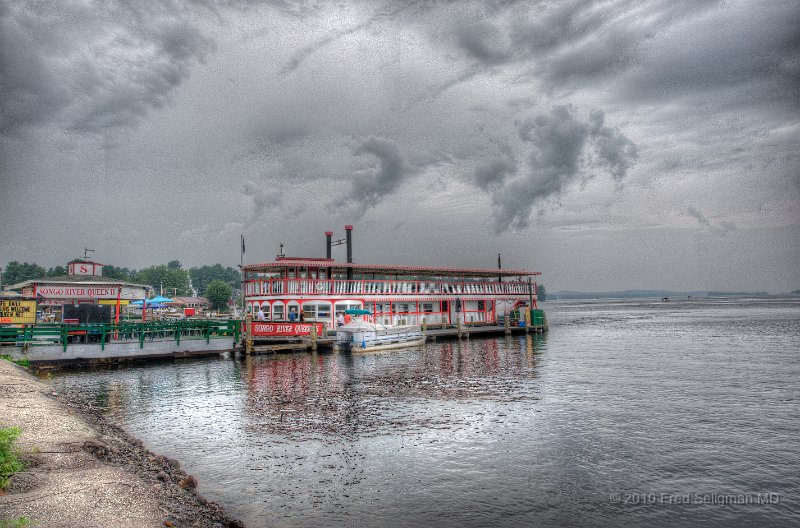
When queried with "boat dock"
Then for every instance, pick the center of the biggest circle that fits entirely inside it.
(56, 343)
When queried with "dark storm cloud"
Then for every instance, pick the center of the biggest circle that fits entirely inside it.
(90, 68)
(746, 53)
(561, 146)
(370, 185)
(666, 49)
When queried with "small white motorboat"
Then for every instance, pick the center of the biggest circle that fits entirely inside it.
(361, 334)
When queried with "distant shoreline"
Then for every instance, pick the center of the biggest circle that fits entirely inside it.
(660, 294)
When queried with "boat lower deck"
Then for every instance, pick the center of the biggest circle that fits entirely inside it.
(328, 343)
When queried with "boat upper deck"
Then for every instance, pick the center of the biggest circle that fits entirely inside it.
(325, 277)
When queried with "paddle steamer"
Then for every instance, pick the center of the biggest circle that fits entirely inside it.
(315, 290)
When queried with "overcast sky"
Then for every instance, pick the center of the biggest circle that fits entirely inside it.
(609, 145)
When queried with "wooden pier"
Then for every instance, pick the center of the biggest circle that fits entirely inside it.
(465, 332)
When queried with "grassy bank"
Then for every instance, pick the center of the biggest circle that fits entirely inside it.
(9, 462)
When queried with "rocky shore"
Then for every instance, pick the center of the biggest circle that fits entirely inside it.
(83, 470)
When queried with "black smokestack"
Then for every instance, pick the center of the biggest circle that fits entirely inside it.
(328, 235)
(499, 266)
(349, 230)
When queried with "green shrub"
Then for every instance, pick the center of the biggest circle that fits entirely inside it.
(21, 362)
(9, 463)
(19, 522)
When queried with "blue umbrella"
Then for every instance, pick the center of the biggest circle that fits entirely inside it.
(159, 299)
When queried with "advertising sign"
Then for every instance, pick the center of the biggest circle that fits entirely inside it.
(266, 329)
(17, 312)
(69, 291)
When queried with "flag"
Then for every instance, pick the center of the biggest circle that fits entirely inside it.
(242, 244)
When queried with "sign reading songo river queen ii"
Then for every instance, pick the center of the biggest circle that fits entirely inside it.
(17, 312)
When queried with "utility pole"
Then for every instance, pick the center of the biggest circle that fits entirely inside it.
(241, 273)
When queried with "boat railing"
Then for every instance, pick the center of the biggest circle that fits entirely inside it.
(382, 287)
(124, 331)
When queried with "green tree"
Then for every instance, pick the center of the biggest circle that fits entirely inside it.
(174, 264)
(15, 272)
(174, 281)
(202, 277)
(58, 271)
(218, 293)
(113, 272)
(541, 292)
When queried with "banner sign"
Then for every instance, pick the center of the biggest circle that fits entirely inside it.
(132, 293)
(265, 329)
(71, 291)
(17, 312)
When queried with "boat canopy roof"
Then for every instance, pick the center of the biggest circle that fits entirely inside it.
(357, 312)
(385, 269)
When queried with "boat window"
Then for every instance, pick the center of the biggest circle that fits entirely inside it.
(277, 312)
(318, 310)
(427, 307)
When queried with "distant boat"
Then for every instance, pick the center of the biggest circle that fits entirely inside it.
(665, 299)
(360, 334)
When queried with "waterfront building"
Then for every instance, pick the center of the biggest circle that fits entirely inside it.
(84, 284)
(191, 305)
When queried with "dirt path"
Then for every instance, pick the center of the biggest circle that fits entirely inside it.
(82, 470)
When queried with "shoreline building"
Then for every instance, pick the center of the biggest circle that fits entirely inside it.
(60, 299)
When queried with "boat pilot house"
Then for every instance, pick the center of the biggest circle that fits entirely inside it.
(319, 289)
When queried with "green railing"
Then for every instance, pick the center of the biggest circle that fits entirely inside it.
(125, 331)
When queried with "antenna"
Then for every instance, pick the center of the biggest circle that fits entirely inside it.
(280, 254)
(85, 251)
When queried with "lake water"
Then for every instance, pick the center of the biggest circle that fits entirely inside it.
(682, 413)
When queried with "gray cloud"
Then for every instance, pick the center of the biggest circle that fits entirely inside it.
(482, 40)
(721, 228)
(305, 52)
(89, 69)
(493, 173)
(264, 198)
(369, 186)
(559, 142)
(614, 151)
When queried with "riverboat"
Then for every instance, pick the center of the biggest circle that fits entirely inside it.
(318, 289)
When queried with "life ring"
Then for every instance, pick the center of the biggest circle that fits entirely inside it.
(320, 287)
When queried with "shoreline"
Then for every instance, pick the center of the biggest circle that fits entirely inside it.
(81, 469)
